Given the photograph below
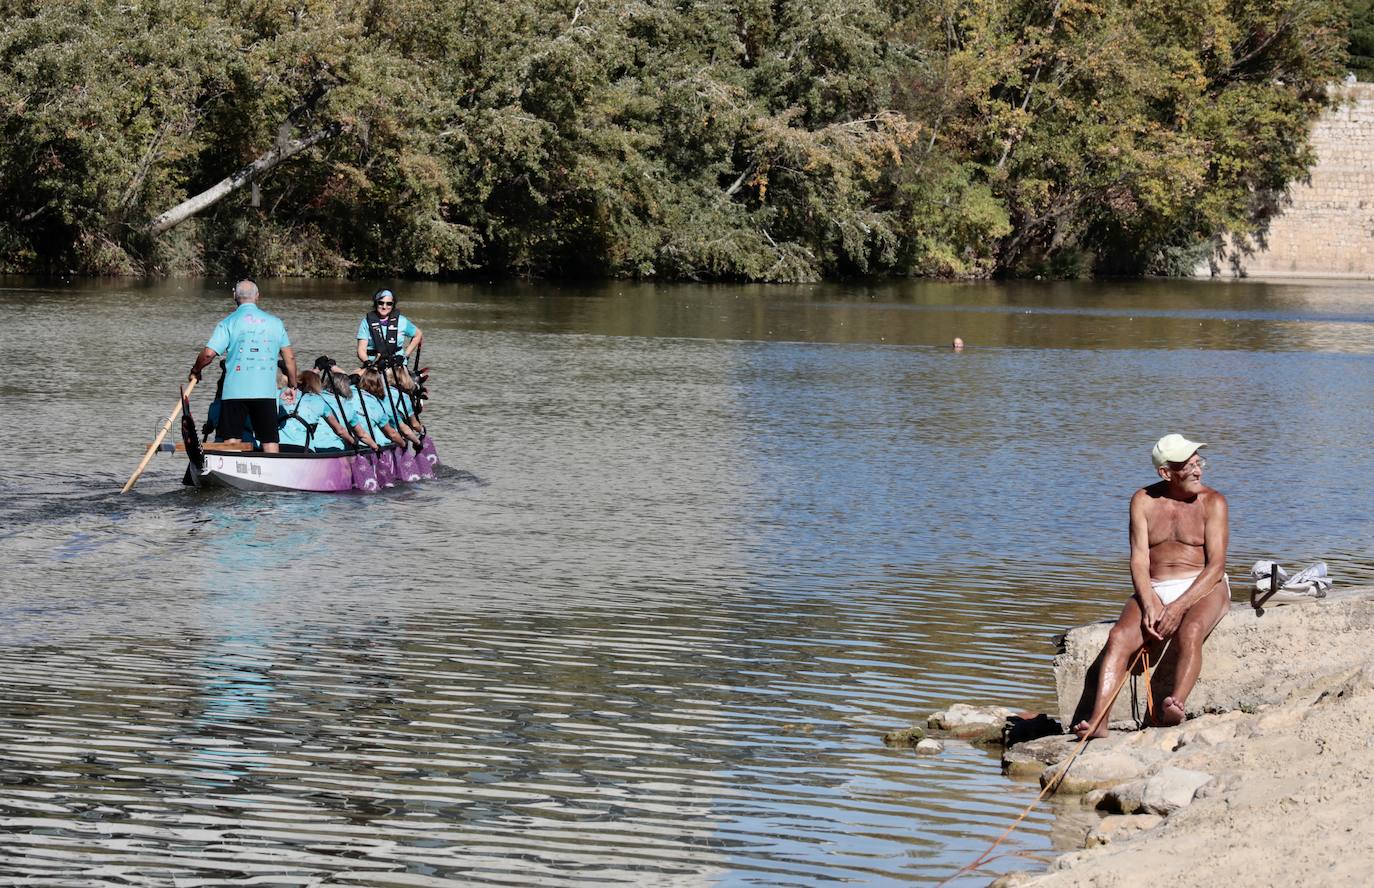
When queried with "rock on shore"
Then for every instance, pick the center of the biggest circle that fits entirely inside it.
(1250, 660)
(1272, 795)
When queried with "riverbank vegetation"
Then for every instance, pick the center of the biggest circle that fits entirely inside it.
(746, 140)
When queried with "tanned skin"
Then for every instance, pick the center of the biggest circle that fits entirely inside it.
(1179, 526)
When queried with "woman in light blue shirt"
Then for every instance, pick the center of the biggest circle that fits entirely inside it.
(385, 424)
(385, 331)
(342, 397)
(307, 419)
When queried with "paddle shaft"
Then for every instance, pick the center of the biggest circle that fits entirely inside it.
(392, 403)
(415, 385)
(367, 417)
(152, 448)
(343, 416)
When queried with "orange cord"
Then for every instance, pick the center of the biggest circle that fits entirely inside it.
(1149, 695)
(1053, 784)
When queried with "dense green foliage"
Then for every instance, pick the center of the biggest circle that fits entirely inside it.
(650, 138)
(1360, 47)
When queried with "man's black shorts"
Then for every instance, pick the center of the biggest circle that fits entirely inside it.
(262, 411)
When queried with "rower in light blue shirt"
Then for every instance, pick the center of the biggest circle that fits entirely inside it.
(384, 427)
(309, 421)
(343, 401)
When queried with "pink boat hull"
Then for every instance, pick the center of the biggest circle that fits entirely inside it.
(316, 472)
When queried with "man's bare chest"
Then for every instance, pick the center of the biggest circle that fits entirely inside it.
(1176, 522)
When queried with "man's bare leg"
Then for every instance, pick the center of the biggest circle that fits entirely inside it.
(1197, 624)
(1123, 641)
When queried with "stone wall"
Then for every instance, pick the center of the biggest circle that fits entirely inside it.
(1329, 229)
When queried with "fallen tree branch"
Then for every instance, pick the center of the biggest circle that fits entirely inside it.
(29, 217)
(214, 194)
(1279, 30)
(730, 192)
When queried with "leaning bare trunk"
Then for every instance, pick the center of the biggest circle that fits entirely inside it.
(213, 195)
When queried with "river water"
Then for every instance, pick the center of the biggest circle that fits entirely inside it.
(693, 551)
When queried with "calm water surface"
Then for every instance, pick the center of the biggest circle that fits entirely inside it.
(694, 550)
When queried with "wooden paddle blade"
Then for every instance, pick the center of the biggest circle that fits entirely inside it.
(152, 448)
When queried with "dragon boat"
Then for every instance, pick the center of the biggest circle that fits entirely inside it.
(241, 467)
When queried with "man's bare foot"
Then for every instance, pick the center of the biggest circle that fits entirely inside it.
(1081, 730)
(1170, 713)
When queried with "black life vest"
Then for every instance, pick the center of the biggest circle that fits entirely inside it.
(383, 333)
(296, 415)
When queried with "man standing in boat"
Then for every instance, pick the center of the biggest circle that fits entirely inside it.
(1179, 532)
(385, 331)
(250, 340)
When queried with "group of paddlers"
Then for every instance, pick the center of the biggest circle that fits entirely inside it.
(262, 399)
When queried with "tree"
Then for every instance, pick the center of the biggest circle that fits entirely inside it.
(717, 140)
(1360, 42)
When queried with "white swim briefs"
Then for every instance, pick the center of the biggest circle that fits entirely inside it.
(1169, 591)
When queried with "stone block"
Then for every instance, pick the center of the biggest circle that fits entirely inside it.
(972, 723)
(1093, 771)
(1031, 758)
(1161, 793)
(1122, 826)
(1208, 735)
(1017, 879)
(905, 736)
(1171, 789)
(1124, 798)
(929, 747)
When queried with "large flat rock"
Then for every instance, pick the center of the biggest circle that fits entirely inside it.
(1251, 659)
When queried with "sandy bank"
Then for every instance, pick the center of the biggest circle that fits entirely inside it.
(1270, 793)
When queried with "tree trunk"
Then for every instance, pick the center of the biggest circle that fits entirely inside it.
(214, 194)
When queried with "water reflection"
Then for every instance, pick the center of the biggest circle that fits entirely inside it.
(698, 548)
(1149, 314)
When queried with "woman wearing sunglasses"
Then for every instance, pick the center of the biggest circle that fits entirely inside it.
(385, 331)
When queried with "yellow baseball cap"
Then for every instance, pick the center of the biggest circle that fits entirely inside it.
(1173, 448)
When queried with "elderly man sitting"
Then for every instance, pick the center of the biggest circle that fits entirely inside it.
(1179, 533)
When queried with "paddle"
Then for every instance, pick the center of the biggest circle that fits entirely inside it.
(386, 469)
(364, 471)
(426, 457)
(152, 448)
(406, 466)
(417, 388)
